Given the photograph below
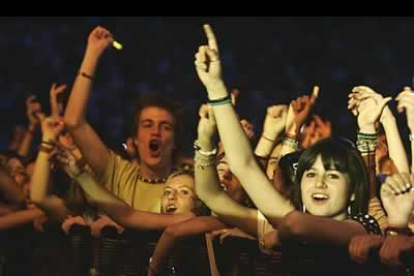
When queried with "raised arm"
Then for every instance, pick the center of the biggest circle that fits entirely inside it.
(56, 106)
(368, 107)
(207, 181)
(273, 126)
(40, 191)
(34, 115)
(236, 144)
(406, 103)
(387, 119)
(91, 146)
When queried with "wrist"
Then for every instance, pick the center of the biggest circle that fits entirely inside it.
(205, 144)
(92, 54)
(48, 139)
(369, 129)
(217, 90)
(396, 221)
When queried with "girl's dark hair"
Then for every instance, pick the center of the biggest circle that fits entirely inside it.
(343, 157)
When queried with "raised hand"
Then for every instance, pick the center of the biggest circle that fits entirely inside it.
(51, 128)
(317, 129)
(275, 121)
(361, 245)
(397, 195)
(406, 103)
(34, 110)
(99, 40)
(208, 66)
(207, 127)
(56, 107)
(368, 106)
(299, 111)
(71, 164)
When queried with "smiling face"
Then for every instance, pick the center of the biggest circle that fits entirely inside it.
(179, 195)
(325, 191)
(155, 137)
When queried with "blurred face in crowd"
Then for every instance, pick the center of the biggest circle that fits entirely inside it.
(273, 160)
(67, 141)
(325, 191)
(155, 137)
(14, 166)
(179, 195)
(230, 184)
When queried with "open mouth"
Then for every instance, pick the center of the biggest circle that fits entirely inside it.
(155, 147)
(319, 198)
(171, 209)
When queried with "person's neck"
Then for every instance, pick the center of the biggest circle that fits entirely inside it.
(154, 173)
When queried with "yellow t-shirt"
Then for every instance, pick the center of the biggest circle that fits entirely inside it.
(122, 178)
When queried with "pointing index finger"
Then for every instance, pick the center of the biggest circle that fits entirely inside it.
(211, 38)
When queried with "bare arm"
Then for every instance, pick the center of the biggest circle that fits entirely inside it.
(91, 146)
(207, 181)
(236, 145)
(303, 227)
(175, 233)
(34, 115)
(19, 218)
(40, 191)
(123, 213)
(406, 103)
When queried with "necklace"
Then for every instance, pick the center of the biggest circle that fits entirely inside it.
(152, 180)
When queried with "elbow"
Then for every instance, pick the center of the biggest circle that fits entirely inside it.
(241, 165)
(290, 227)
(72, 122)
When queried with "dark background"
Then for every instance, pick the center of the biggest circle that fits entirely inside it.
(269, 59)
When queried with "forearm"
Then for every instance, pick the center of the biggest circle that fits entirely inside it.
(369, 160)
(40, 179)
(395, 145)
(19, 218)
(81, 91)
(235, 142)
(412, 151)
(176, 233)
(26, 144)
(122, 213)
(297, 226)
(243, 164)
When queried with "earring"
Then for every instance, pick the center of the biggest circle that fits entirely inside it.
(304, 209)
(349, 209)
